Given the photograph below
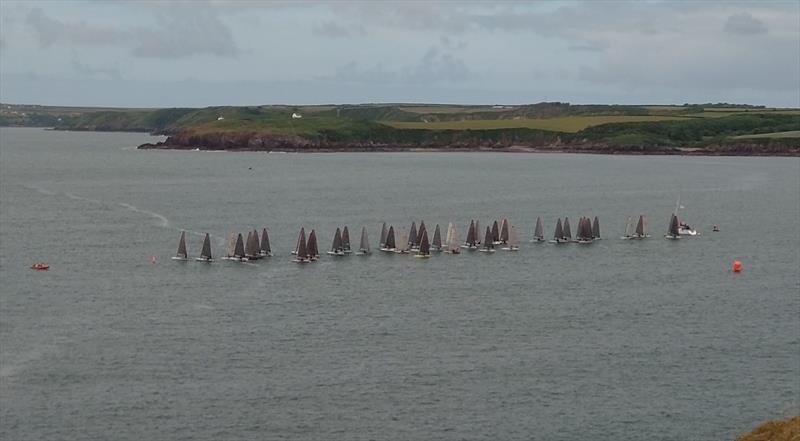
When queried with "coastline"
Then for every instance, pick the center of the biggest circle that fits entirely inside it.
(285, 145)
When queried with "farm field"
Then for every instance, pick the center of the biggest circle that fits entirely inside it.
(774, 135)
(569, 124)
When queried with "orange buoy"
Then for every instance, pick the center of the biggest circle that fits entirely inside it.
(737, 266)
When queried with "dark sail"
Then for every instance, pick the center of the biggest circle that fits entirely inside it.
(424, 245)
(640, 227)
(345, 239)
(559, 234)
(538, 233)
(504, 231)
(238, 251)
(412, 235)
(567, 232)
(673, 226)
(495, 232)
(390, 242)
(337, 241)
(419, 232)
(471, 234)
(596, 228)
(206, 252)
(437, 238)
(488, 244)
(302, 251)
(248, 245)
(384, 233)
(477, 233)
(311, 245)
(182, 246)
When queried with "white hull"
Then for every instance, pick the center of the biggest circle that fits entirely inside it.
(538, 240)
(362, 253)
(336, 253)
(422, 256)
(387, 250)
(236, 259)
(180, 259)
(671, 237)
(265, 254)
(203, 259)
(685, 232)
(483, 250)
(559, 241)
(301, 260)
(469, 247)
(510, 248)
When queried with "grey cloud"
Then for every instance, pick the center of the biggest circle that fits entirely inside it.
(89, 71)
(744, 24)
(332, 29)
(175, 35)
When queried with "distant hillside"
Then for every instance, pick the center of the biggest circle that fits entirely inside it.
(711, 128)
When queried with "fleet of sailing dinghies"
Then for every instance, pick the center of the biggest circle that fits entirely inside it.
(538, 231)
(501, 233)
(181, 254)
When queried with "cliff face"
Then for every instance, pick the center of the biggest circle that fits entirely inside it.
(236, 141)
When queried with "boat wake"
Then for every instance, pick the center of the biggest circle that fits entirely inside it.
(163, 221)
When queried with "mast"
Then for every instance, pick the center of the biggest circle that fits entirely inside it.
(384, 233)
(206, 252)
(182, 246)
(538, 233)
(504, 231)
(437, 238)
(364, 245)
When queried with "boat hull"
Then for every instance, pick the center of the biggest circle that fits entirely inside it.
(203, 259)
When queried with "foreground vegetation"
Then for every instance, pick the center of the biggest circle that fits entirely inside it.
(642, 129)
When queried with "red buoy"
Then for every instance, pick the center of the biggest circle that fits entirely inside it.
(737, 266)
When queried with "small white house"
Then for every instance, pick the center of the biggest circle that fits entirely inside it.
(220, 118)
(296, 116)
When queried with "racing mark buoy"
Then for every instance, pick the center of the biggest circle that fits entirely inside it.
(737, 266)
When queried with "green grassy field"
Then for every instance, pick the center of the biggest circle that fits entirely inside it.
(774, 135)
(569, 124)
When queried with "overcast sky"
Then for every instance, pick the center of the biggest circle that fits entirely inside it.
(199, 53)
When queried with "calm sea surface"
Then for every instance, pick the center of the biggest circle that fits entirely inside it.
(618, 340)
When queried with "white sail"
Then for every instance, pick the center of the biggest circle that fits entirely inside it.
(453, 246)
(402, 245)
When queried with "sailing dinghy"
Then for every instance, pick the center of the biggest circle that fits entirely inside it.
(584, 231)
(504, 231)
(384, 233)
(558, 236)
(390, 244)
(205, 254)
(181, 254)
(265, 250)
(628, 234)
(596, 228)
(346, 240)
(424, 245)
(412, 236)
(311, 245)
(512, 243)
(488, 243)
(495, 233)
(641, 228)
(436, 243)
(238, 250)
(567, 231)
(403, 245)
(336, 246)
(538, 232)
(301, 253)
(673, 229)
(452, 239)
(472, 240)
(363, 246)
